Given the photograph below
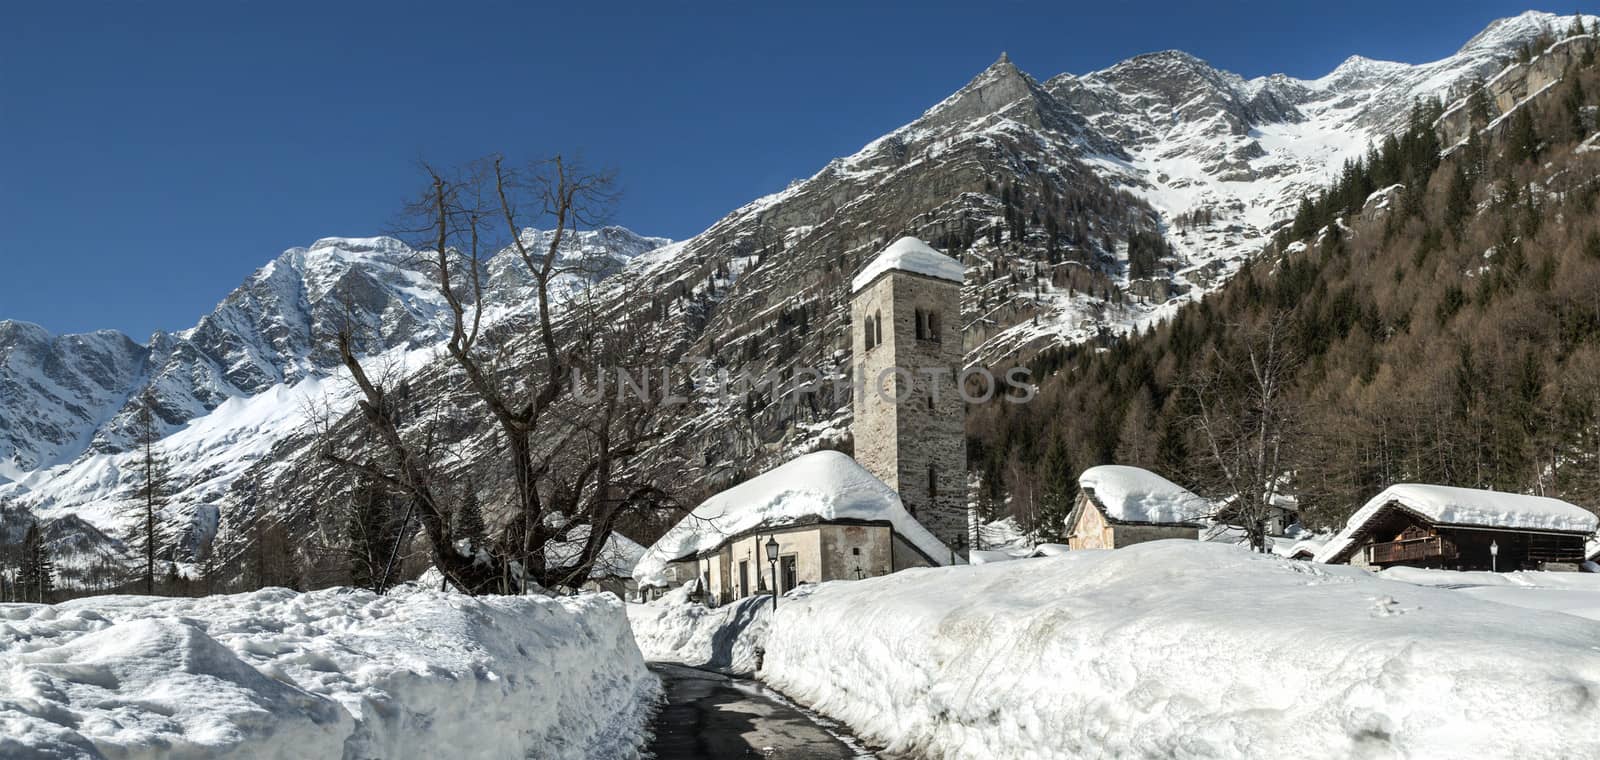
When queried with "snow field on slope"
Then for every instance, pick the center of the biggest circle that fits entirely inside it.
(1184, 649)
(326, 674)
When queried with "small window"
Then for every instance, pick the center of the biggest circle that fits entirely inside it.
(866, 332)
(933, 482)
(856, 550)
(877, 327)
(922, 333)
(933, 325)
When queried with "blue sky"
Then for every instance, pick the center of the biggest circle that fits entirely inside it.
(152, 154)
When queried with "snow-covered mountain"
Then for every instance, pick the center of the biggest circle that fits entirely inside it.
(1081, 204)
(245, 376)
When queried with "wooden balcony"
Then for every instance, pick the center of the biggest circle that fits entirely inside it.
(1410, 550)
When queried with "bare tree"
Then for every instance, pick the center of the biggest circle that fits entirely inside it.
(1246, 423)
(569, 451)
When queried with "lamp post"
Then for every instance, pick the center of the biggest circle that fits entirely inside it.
(772, 559)
(1494, 556)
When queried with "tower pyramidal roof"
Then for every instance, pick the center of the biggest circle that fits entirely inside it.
(908, 254)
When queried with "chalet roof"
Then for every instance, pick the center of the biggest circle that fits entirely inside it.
(824, 486)
(909, 254)
(1135, 495)
(1462, 507)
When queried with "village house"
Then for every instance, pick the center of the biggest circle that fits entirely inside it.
(1462, 529)
(827, 517)
(901, 502)
(1119, 506)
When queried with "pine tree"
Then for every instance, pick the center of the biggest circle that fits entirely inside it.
(469, 519)
(149, 538)
(368, 533)
(1522, 143)
(1479, 108)
(36, 580)
(1577, 26)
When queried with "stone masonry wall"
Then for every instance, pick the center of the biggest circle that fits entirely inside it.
(921, 435)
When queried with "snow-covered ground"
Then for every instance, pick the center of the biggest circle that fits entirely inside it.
(676, 629)
(1572, 593)
(327, 674)
(1174, 649)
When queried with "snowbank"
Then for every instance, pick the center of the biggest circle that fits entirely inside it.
(675, 629)
(825, 484)
(326, 674)
(1131, 494)
(1183, 649)
(909, 254)
(1447, 505)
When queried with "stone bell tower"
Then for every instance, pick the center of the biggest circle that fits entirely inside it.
(906, 352)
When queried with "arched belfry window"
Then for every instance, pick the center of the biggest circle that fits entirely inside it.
(921, 325)
(867, 332)
(877, 327)
(933, 325)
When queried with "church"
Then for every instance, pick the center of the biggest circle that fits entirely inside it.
(900, 502)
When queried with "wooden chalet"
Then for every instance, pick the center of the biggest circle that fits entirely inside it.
(1450, 528)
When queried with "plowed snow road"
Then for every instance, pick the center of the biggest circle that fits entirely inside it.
(710, 716)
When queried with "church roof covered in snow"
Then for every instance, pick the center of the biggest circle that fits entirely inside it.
(825, 485)
(1447, 505)
(1135, 495)
(909, 254)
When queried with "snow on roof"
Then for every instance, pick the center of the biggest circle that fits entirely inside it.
(1132, 494)
(1447, 505)
(909, 254)
(826, 485)
(616, 560)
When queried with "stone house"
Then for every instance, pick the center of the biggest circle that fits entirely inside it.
(1120, 506)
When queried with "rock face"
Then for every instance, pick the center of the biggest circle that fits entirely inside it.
(57, 389)
(1081, 205)
(1513, 86)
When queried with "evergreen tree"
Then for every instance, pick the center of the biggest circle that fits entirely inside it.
(1522, 143)
(1058, 488)
(36, 581)
(149, 539)
(1458, 200)
(368, 534)
(469, 518)
(1479, 107)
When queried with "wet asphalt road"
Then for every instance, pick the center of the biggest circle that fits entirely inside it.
(709, 716)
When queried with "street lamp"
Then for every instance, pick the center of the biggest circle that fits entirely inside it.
(1494, 556)
(772, 559)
